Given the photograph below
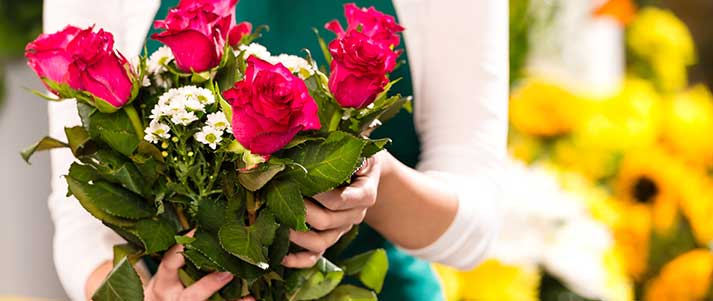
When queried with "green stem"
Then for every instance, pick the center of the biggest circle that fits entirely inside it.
(135, 120)
(336, 119)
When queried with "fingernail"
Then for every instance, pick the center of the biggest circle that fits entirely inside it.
(224, 276)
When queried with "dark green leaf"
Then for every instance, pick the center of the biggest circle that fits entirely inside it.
(227, 75)
(374, 146)
(329, 163)
(343, 243)
(313, 283)
(88, 199)
(184, 240)
(45, 143)
(79, 140)
(122, 284)
(115, 130)
(110, 199)
(208, 245)
(370, 268)
(125, 250)
(156, 235)
(199, 260)
(280, 246)
(244, 243)
(115, 168)
(301, 139)
(328, 107)
(211, 214)
(265, 227)
(256, 178)
(286, 202)
(350, 293)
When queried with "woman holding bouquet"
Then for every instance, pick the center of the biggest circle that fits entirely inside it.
(441, 211)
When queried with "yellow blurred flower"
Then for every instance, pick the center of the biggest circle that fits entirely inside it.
(659, 37)
(450, 281)
(632, 231)
(545, 109)
(689, 124)
(686, 278)
(651, 177)
(591, 162)
(493, 280)
(697, 205)
(618, 285)
(630, 119)
(524, 147)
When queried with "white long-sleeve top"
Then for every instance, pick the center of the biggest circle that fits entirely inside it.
(458, 51)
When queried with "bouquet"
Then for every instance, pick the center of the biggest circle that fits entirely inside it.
(213, 134)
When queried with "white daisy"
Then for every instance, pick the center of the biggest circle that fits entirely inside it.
(255, 49)
(156, 131)
(209, 136)
(158, 60)
(184, 118)
(295, 63)
(218, 121)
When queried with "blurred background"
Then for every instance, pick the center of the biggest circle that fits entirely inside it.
(611, 190)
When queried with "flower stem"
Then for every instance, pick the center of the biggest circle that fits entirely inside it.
(135, 121)
(334, 122)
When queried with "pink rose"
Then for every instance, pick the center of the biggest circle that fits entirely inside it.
(378, 26)
(84, 60)
(359, 69)
(196, 32)
(270, 106)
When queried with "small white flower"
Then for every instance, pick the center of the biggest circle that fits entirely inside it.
(184, 118)
(146, 82)
(218, 121)
(156, 131)
(161, 81)
(209, 136)
(254, 49)
(295, 63)
(195, 98)
(158, 60)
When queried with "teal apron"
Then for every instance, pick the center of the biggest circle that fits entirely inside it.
(291, 23)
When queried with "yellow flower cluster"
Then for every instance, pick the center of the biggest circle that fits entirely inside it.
(491, 280)
(642, 159)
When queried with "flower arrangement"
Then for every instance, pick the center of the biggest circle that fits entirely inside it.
(213, 134)
(615, 200)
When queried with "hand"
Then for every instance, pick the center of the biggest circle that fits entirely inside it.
(340, 210)
(165, 284)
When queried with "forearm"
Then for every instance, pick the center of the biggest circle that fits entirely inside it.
(413, 209)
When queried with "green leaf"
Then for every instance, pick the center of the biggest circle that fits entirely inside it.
(199, 260)
(256, 178)
(370, 268)
(87, 198)
(209, 246)
(109, 198)
(328, 108)
(211, 214)
(116, 169)
(156, 235)
(374, 146)
(301, 139)
(227, 75)
(329, 163)
(184, 240)
(323, 47)
(79, 141)
(115, 130)
(280, 246)
(343, 243)
(313, 283)
(286, 202)
(350, 293)
(45, 143)
(125, 250)
(265, 227)
(122, 284)
(243, 242)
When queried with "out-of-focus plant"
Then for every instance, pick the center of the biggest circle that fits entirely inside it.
(20, 22)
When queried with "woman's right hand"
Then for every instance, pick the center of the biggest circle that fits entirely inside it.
(165, 284)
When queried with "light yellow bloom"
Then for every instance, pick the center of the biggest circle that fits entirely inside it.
(686, 278)
(630, 119)
(545, 109)
(664, 41)
(450, 281)
(697, 205)
(493, 280)
(689, 124)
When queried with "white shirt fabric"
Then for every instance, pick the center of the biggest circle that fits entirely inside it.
(458, 50)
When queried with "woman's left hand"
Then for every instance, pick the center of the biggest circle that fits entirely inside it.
(339, 211)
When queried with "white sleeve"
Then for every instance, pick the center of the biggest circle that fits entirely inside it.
(81, 242)
(458, 51)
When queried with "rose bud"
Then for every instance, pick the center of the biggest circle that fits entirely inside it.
(376, 25)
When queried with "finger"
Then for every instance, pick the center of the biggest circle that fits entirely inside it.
(361, 193)
(301, 260)
(323, 219)
(206, 286)
(366, 167)
(167, 274)
(247, 299)
(318, 242)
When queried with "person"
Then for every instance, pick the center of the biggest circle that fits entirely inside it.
(433, 195)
